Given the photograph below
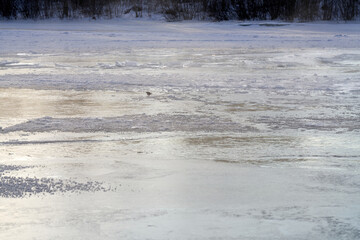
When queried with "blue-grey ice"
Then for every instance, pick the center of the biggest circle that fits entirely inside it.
(249, 133)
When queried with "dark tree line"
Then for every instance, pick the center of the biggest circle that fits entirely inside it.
(303, 10)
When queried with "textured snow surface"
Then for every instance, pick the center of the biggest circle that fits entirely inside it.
(251, 130)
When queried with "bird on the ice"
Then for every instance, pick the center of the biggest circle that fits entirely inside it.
(148, 93)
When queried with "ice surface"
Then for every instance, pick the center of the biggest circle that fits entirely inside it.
(251, 130)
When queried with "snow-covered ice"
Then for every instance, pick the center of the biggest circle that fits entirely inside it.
(251, 130)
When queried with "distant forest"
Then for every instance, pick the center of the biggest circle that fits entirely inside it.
(174, 10)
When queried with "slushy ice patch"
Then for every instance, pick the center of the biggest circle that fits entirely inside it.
(18, 187)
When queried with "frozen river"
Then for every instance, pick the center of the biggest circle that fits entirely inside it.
(251, 132)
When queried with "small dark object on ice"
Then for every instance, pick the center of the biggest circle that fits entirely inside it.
(93, 18)
(148, 93)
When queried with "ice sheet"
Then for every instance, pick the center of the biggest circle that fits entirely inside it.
(251, 131)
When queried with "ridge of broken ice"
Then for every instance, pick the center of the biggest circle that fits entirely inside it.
(131, 123)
